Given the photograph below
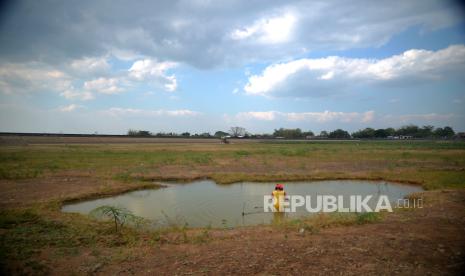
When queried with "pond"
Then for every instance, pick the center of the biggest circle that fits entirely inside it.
(205, 203)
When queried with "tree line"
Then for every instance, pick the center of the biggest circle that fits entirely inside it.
(408, 131)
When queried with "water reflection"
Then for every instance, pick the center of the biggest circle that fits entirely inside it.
(203, 203)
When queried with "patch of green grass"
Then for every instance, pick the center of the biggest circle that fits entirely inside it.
(24, 233)
(13, 172)
(389, 160)
(242, 153)
(198, 158)
(368, 217)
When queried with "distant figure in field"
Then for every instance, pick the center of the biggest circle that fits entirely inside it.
(278, 197)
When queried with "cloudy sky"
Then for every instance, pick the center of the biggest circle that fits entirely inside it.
(201, 66)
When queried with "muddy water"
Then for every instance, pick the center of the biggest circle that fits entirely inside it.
(204, 203)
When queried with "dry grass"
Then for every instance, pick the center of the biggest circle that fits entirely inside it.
(432, 164)
(26, 232)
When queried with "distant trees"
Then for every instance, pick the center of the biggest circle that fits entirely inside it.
(288, 133)
(237, 131)
(446, 132)
(408, 131)
(324, 134)
(339, 134)
(291, 133)
(133, 132)
(220, 134)
(373, 133)
(308, 134)
(365, 133)
(413, 131)
(205, 135)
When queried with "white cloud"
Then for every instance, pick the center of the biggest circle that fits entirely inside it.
(31, 77)
(319, 117)
(368, 116)
(155, 72)
(80, 80)
(216, 33)
(117, 111)
(69, 108)
(91, 65)
(258, 115)
(104, 86)
(73, 94)
(307, 77)
(272, 30)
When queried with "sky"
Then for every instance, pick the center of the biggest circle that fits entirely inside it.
(203, 66)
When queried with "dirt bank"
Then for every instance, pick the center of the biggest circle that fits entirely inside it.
(430, 240)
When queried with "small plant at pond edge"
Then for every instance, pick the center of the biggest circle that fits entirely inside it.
(119, 215)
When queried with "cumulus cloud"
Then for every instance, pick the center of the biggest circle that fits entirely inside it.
(35, 77)
(272, 30)
(73, 94)
(319, 117)
(104, 85)
(90, 65)
(258, 115)
(311, 77)
(31, 77)
(84, 78)
(154, 72)
(69, 108)
(206, 34)
(117, 111)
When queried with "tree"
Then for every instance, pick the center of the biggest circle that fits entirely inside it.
(185, 134)
(133, 132)
(119, 215)
(339, 134)
(425, 131)
(308, 134)
(391, 131)
(446, 132)
(323, 133)
(365, 133)
(409, 130)
(220, 134)
(237, 131)
(381, 133)
(288, 133)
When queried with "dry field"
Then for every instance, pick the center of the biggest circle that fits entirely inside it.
(38, 174)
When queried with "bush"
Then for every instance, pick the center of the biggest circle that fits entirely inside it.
(119, 215)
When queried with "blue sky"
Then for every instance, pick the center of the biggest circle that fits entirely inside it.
(203, 66)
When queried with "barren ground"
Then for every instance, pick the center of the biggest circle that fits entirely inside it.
(36, 238)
